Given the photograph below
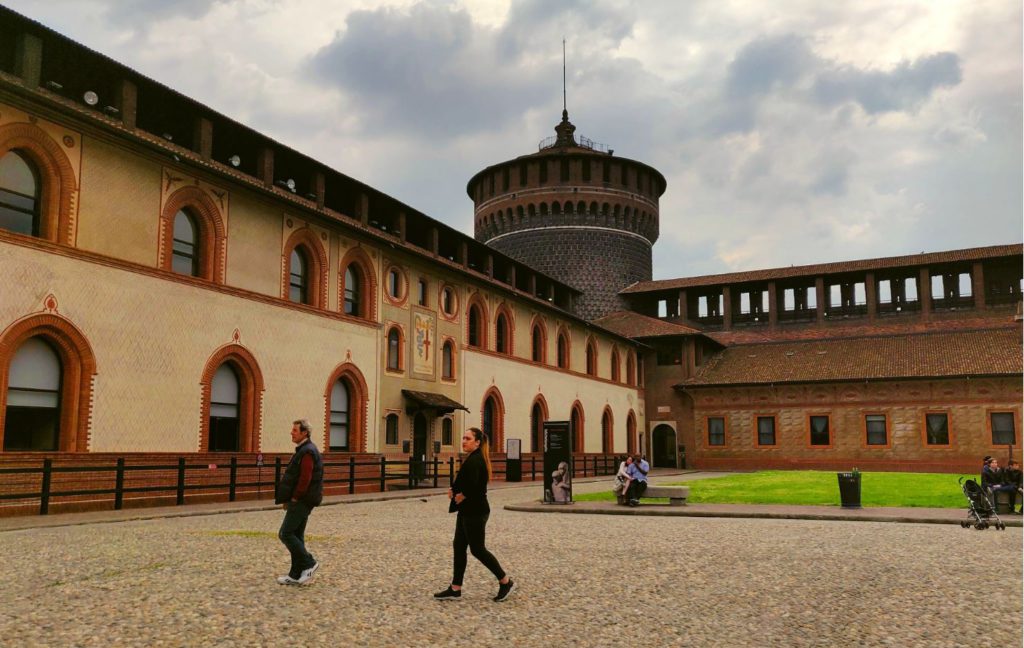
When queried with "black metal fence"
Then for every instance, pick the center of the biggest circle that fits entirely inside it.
(346, 474)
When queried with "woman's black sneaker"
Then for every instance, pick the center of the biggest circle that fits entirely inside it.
(448, 595)
(504, 590)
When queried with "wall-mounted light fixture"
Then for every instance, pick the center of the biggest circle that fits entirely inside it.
(168, 137)
(53, 85)
(110, 110)
(234, 161)
(91, 98)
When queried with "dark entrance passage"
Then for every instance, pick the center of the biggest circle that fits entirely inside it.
(419, 445)
(663, 447)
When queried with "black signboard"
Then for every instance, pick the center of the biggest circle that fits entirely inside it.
(557, 462)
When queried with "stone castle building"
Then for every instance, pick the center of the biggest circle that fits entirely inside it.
(176, 282)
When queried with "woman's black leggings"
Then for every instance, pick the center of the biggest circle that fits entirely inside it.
(469, 532)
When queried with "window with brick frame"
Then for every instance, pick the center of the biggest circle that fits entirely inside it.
(766, 430)
(819, 431)
(1003, 428)
(391, 429)
(716, 430)
(394, 350)
(563, 350)
(876, 429)
(446, 431)
(936, 428)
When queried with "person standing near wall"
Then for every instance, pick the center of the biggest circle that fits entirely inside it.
(468, 496)
(300, 491)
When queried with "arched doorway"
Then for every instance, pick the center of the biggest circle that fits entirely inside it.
(419, 444)
(663, 446)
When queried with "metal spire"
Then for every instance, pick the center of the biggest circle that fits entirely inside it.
(564, 108)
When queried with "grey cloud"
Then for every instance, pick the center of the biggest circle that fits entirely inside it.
(143, 12)
(903, 89)
(767, 62)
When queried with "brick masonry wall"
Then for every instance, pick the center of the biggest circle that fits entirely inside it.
(968, 404)
(598, 262)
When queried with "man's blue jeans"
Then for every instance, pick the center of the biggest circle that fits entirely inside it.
(292, 534)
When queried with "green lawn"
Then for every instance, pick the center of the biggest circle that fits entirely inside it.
(929, 490)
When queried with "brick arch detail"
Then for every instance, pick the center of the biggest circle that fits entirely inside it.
(59, 186)
(631, 432)
(544, 414)
(306, 239)
(212, 235)
(580, 435)
(250, 405)
(498, 442)
(78, 369)
(537, 324)
(510, 319)
(608, 435)
(357, 415)
(368, 282)
(478, 301)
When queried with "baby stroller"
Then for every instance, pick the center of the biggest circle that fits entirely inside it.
(980, 511)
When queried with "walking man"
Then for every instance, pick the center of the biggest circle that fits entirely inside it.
(301, 489)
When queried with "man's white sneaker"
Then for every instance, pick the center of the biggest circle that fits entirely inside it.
(307, 574)
(288, 580)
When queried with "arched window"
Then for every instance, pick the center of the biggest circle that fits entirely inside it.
(607, 433)
(394, 349)
(631, 433)
(298, 276)
(492, 419)
(538, 414)
(591, 358)
(630, 369)
(19, 195)
(448, 304)
(503, 333)
(396, 285)
(563, 350)
(576, 424)
(32, 420)
(391, 429)
(538, 343)
(338, 439)
(477, 326)
(185, 257)
(353, 294)
(232, 393)
(616, 376)
(224, 410)
(448, 360)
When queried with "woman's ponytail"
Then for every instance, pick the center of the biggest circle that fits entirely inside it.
(485, 447)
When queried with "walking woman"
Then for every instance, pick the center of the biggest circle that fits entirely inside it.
(468, 496)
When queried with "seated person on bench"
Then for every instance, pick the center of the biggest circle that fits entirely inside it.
(992, 481)
(1012, 477)
(638, 480)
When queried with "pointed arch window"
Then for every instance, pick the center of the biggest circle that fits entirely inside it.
(537, 343)
(591, 358)
(476, 325)
(448, 360)
(630, 370)
(224, 411)
(298, 276)
(503, 334)
(616, 368)
(32, 420)
(338, 439)
(576, 423)
(607, 433)
(538, 414)
(563, 350)
(19, 195)
(353, 291)
(184, 256)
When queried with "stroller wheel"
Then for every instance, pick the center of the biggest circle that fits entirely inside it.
(1002, 526)
(979, 526)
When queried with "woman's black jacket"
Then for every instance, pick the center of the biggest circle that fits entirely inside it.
(472, 483)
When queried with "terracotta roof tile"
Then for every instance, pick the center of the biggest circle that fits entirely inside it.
(634, 325)
(962, 353)
(863, 265)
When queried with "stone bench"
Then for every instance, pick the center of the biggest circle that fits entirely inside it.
(1004, 502)
(676, 494)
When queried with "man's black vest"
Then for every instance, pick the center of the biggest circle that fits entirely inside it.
(290, 479)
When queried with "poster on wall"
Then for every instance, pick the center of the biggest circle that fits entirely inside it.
(557, 462)
(423, 343)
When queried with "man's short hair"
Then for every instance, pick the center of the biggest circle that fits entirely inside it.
(987, 459)
(304, 426)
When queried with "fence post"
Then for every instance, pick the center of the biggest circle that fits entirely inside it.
(119, 485)
(383, 473)
(277, 474)
(410, 471)
(451, 470)
(533, 467)
(231, 481)
(584, 465)
(44, 495)
(180, 499)
(351, 475)
(435, 471)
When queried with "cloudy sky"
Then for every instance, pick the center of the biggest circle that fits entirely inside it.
(789, 132)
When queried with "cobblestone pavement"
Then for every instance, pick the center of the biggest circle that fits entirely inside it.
(584, 580)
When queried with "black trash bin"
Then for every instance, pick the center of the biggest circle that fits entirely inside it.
(849, 489)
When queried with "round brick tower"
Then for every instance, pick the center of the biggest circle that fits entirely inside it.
(575, 212)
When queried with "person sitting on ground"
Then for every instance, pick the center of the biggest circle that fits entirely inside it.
(1012, 477)
(622, 480)
(992, 481)
(638, 479)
